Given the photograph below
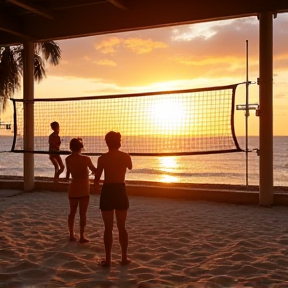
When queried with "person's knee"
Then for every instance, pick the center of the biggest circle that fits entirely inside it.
(121, 229)
(71, 215)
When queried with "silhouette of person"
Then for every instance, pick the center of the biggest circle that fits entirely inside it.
(54, 146)
(78, 166)
(113, 196)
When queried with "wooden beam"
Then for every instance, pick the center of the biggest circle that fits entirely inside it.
(119, 3)
(12, 26)
(32, 9)
(104, 18)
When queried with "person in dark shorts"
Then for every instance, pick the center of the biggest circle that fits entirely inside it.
(78, 166)
(113, 198)
(54, 146)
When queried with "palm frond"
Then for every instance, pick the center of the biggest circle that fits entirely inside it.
(10, 73)
(39, 68)
(51, 52)
(11, 65)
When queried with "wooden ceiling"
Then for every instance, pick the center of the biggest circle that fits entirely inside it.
(39, 20)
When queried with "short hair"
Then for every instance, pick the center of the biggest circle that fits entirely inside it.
(76, 144)
(113, 140)
(54, 125)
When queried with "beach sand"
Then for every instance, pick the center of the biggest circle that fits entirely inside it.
(173, 243)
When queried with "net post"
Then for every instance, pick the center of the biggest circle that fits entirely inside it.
(247, 115)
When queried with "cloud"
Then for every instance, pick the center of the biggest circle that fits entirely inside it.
(196, 61)
(173, 53)
(135, 44)
(109, 45)
(105, 62)
(206, 30)
(141, 46)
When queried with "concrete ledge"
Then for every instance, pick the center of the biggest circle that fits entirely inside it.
(11, 184)
(186, 192)
(213, 195)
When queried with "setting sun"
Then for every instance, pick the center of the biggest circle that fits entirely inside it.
(168, 116)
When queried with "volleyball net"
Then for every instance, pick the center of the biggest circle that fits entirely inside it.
(182, 122)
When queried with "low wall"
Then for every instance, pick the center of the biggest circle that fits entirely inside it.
(227, 195)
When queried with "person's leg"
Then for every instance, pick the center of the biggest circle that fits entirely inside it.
(71, 217)
(56, 167)
(60, 165)
(83, 206)
(108, 218)
(121, 216)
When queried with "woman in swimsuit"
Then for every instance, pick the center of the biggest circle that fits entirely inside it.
(78, 166)
(113, 196)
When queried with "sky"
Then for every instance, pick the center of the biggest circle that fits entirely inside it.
(177, 57)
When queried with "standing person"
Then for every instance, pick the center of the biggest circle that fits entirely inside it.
(79, 189)
(54, 146)
(113, 195)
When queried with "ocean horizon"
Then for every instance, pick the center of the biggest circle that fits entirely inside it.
(223, 168)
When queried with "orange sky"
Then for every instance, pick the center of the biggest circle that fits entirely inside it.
(178, 57)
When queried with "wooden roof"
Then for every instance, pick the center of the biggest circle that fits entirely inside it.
(39, 20)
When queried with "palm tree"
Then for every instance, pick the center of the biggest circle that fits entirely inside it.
(11, 66)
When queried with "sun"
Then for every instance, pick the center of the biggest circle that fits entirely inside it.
(168, 116)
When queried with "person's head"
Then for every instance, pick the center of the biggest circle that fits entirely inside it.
(76, 144)
(55, 126)
(113, 140)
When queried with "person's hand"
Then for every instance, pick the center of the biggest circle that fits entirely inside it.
(95, 187)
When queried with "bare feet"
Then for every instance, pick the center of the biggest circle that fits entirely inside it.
(72, 238)
(83, 240)
(104, 263)
(60, 172)
(125, 262)
(57, 174)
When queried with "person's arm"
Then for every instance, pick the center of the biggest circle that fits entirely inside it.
(129, 162)
(67, 169)
(98, 174)
(100, 169)
(91, 166)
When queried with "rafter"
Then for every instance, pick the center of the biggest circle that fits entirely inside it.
(119, 3)
(30, 8)
(10, 26)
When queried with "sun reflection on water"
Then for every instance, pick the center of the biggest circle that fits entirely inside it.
(169, 165)
(169, 179)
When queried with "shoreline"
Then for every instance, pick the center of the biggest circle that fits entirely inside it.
(282, 189)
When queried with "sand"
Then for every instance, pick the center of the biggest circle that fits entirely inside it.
(173, 243)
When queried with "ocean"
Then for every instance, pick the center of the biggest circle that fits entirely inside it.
(227, 168)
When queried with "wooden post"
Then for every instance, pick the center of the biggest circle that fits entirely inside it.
(266, 108)
(28, 134)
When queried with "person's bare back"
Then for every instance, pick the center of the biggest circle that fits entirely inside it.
(78, 165)
(114, 163)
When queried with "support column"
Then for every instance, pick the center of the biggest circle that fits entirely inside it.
(266, 108)
(28, 134)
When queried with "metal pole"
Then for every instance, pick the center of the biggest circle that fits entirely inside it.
(247, 113)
